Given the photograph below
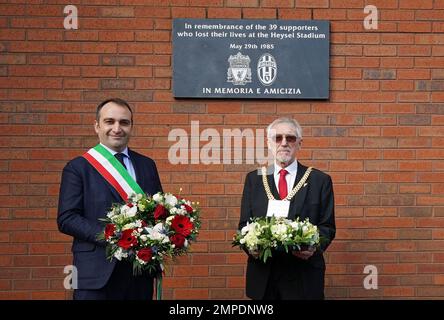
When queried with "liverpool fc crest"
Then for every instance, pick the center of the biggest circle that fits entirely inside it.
(239, 72)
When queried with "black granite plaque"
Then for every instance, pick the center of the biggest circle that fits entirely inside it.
(263, 59)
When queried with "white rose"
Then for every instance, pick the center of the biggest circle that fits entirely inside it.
(118, 254)
(165, 239)
(124, 209)
(159, 227)
(157, 233)
(168, 220)
(128, 226)
(174, 210)
(170, 199)
(246, 229)
(157, 197)
(131, 212)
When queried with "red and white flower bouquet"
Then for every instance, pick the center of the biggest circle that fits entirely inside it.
(147, 229)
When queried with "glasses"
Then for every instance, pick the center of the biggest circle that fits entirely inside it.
(289, 138)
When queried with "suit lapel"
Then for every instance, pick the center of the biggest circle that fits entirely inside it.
(270, 179)
(113, 191)
(298, 200)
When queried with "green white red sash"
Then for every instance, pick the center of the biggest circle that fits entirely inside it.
(112, 171)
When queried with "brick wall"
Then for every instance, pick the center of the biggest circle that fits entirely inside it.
(380, 136)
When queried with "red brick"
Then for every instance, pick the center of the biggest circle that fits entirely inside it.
(157, 12)
(414, 27)
(49, 295)
(122, 12)
(262, 13)
(397, 85)
(366, 39)
(412, 4)
(365, 85)
(101, 48)
(242, 3)
(311, 4)
(201, 271)
(294, 14)
(191, 294)
(98, 72)
(397, 38)
(188, 13)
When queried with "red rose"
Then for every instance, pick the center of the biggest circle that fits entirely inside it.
(109, 230)
(160, 212)
(178, 240)
(182, 225)
(188, 208)
(127, 240)
(145, 254)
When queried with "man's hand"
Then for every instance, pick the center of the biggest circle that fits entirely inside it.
(254, 253)
(304, 254)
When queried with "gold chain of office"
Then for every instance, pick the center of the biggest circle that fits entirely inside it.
(292, 193)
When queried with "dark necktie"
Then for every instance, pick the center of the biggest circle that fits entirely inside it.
(119, 157)
(283, 191)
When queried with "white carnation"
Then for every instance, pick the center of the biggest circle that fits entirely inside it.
(174, 210)
(119, 254)
(247, 228)
(168, 220)
(158, 197)
(170, 199)
(157, 233)
(127, 226)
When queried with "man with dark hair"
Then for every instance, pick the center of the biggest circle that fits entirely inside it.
(117, 101)
(297, 274)
(90, 184)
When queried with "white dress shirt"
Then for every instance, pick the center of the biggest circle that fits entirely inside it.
(126, 160)
(292, 170)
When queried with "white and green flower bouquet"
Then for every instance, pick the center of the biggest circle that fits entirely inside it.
(264, 235)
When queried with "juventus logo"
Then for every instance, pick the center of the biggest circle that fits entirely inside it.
(267, 69)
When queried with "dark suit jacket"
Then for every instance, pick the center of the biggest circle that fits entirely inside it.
(315, 201)
(85, 196)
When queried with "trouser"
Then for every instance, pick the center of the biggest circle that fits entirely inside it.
(122, 285)
(294, 281)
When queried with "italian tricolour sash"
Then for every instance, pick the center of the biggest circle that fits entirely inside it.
(112, 171)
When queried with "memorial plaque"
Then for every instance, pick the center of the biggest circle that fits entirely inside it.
(262, 59)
